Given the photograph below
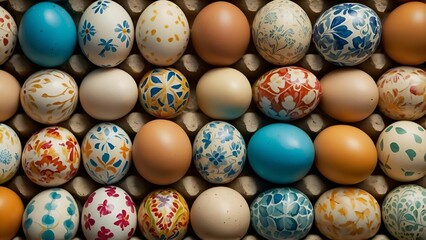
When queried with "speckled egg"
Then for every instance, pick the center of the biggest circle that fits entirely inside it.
(51, 214)
(347, 213)
(8, 35)
(106, 153)
(162, 33)
(282, 213)
(347, 34)
(219, 152)
(287, 93)
(10, 153)
(105, 33)
(404, 212)
(402, 152)
(163, 214)
(281, 32)
(109, 213)
(164, 92)
(49, 96)
(51, 156)
(402, 93)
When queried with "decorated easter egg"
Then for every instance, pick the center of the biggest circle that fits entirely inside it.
(51, 214)
(403, 211)
(11, 211)
(281, 32)
(282, 213)
(347, 213)
(401, 150)
(164, 92)
(163, 214)
(402, 93)
(49, 96)
(347, 34)
(219, 152)
(10, 153)
(8, 35)
(105, 33)
(162, 33)
(51, 156)
(287, 93)
(106, 153)
(109, 213)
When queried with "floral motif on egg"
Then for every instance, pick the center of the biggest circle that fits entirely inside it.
(347, 34)
(10, 153)
(402, 93)
(106, 153)
(51, 156)
(164, 92)
(164, 214)
(347, 213)
(287, 93)
(8, 35)
(219, 152)
(282, 213)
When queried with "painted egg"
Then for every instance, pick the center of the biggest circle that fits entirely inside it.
(347, 213)
(8, 35)
(402, 93)
(109, 213)
(281, 32)
(106, 153)
(287, 93)
(401, 150)
(11, 212)
(163, 214)
(164, 92)
(282, 213)
(162, 33)
(10, 153)
(219, 152)
(51, 156)
(403, 211)
(347, 34)
(49, 96)
(105, 33)
(51, 214)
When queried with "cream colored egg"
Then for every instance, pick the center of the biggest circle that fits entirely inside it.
(10, 153)
(8, 35)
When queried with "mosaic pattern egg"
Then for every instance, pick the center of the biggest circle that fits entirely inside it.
(347, 213)
(164, 92)
(347, 34)
(287, 93)
(106, 153)
(51, 156)
(219, 152)
(51, 214)
(49, 96)
(8, 35)
(10, 153)
(154, 208)
(404, 212)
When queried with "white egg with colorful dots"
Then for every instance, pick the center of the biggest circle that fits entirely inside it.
(10, 153)
(8, 35)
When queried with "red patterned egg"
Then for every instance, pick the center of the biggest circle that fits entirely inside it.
(287, 93)
(51, 156)
(8, 35)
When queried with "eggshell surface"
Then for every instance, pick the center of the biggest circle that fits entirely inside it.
(9, 95)
(10, 153)
(11, 211)
(8, 35)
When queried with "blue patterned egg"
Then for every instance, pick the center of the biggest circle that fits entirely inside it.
(219, 152)
(106, 153)
(164, 92)
(282, 213)
(347, 34)
(105, 33)
(51, 214)
(10, 153)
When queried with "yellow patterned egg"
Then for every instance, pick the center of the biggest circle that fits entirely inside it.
(49, 96)
(162, 33)
(348, 214)
(10, 153)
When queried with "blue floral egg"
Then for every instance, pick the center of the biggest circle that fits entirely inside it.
(219, 152)
(347, 34)
(282, 213)
(10, 153)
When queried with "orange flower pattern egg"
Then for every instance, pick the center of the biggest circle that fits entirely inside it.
(51, 156)
(10, 153)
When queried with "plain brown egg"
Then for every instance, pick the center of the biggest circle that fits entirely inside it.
(11, 211)
(220, 33)
(162, 152)
(9, 95)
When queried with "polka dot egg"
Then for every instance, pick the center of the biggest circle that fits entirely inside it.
(10, 153)
(8, 35)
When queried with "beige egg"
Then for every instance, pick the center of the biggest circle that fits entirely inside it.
(9, 95)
